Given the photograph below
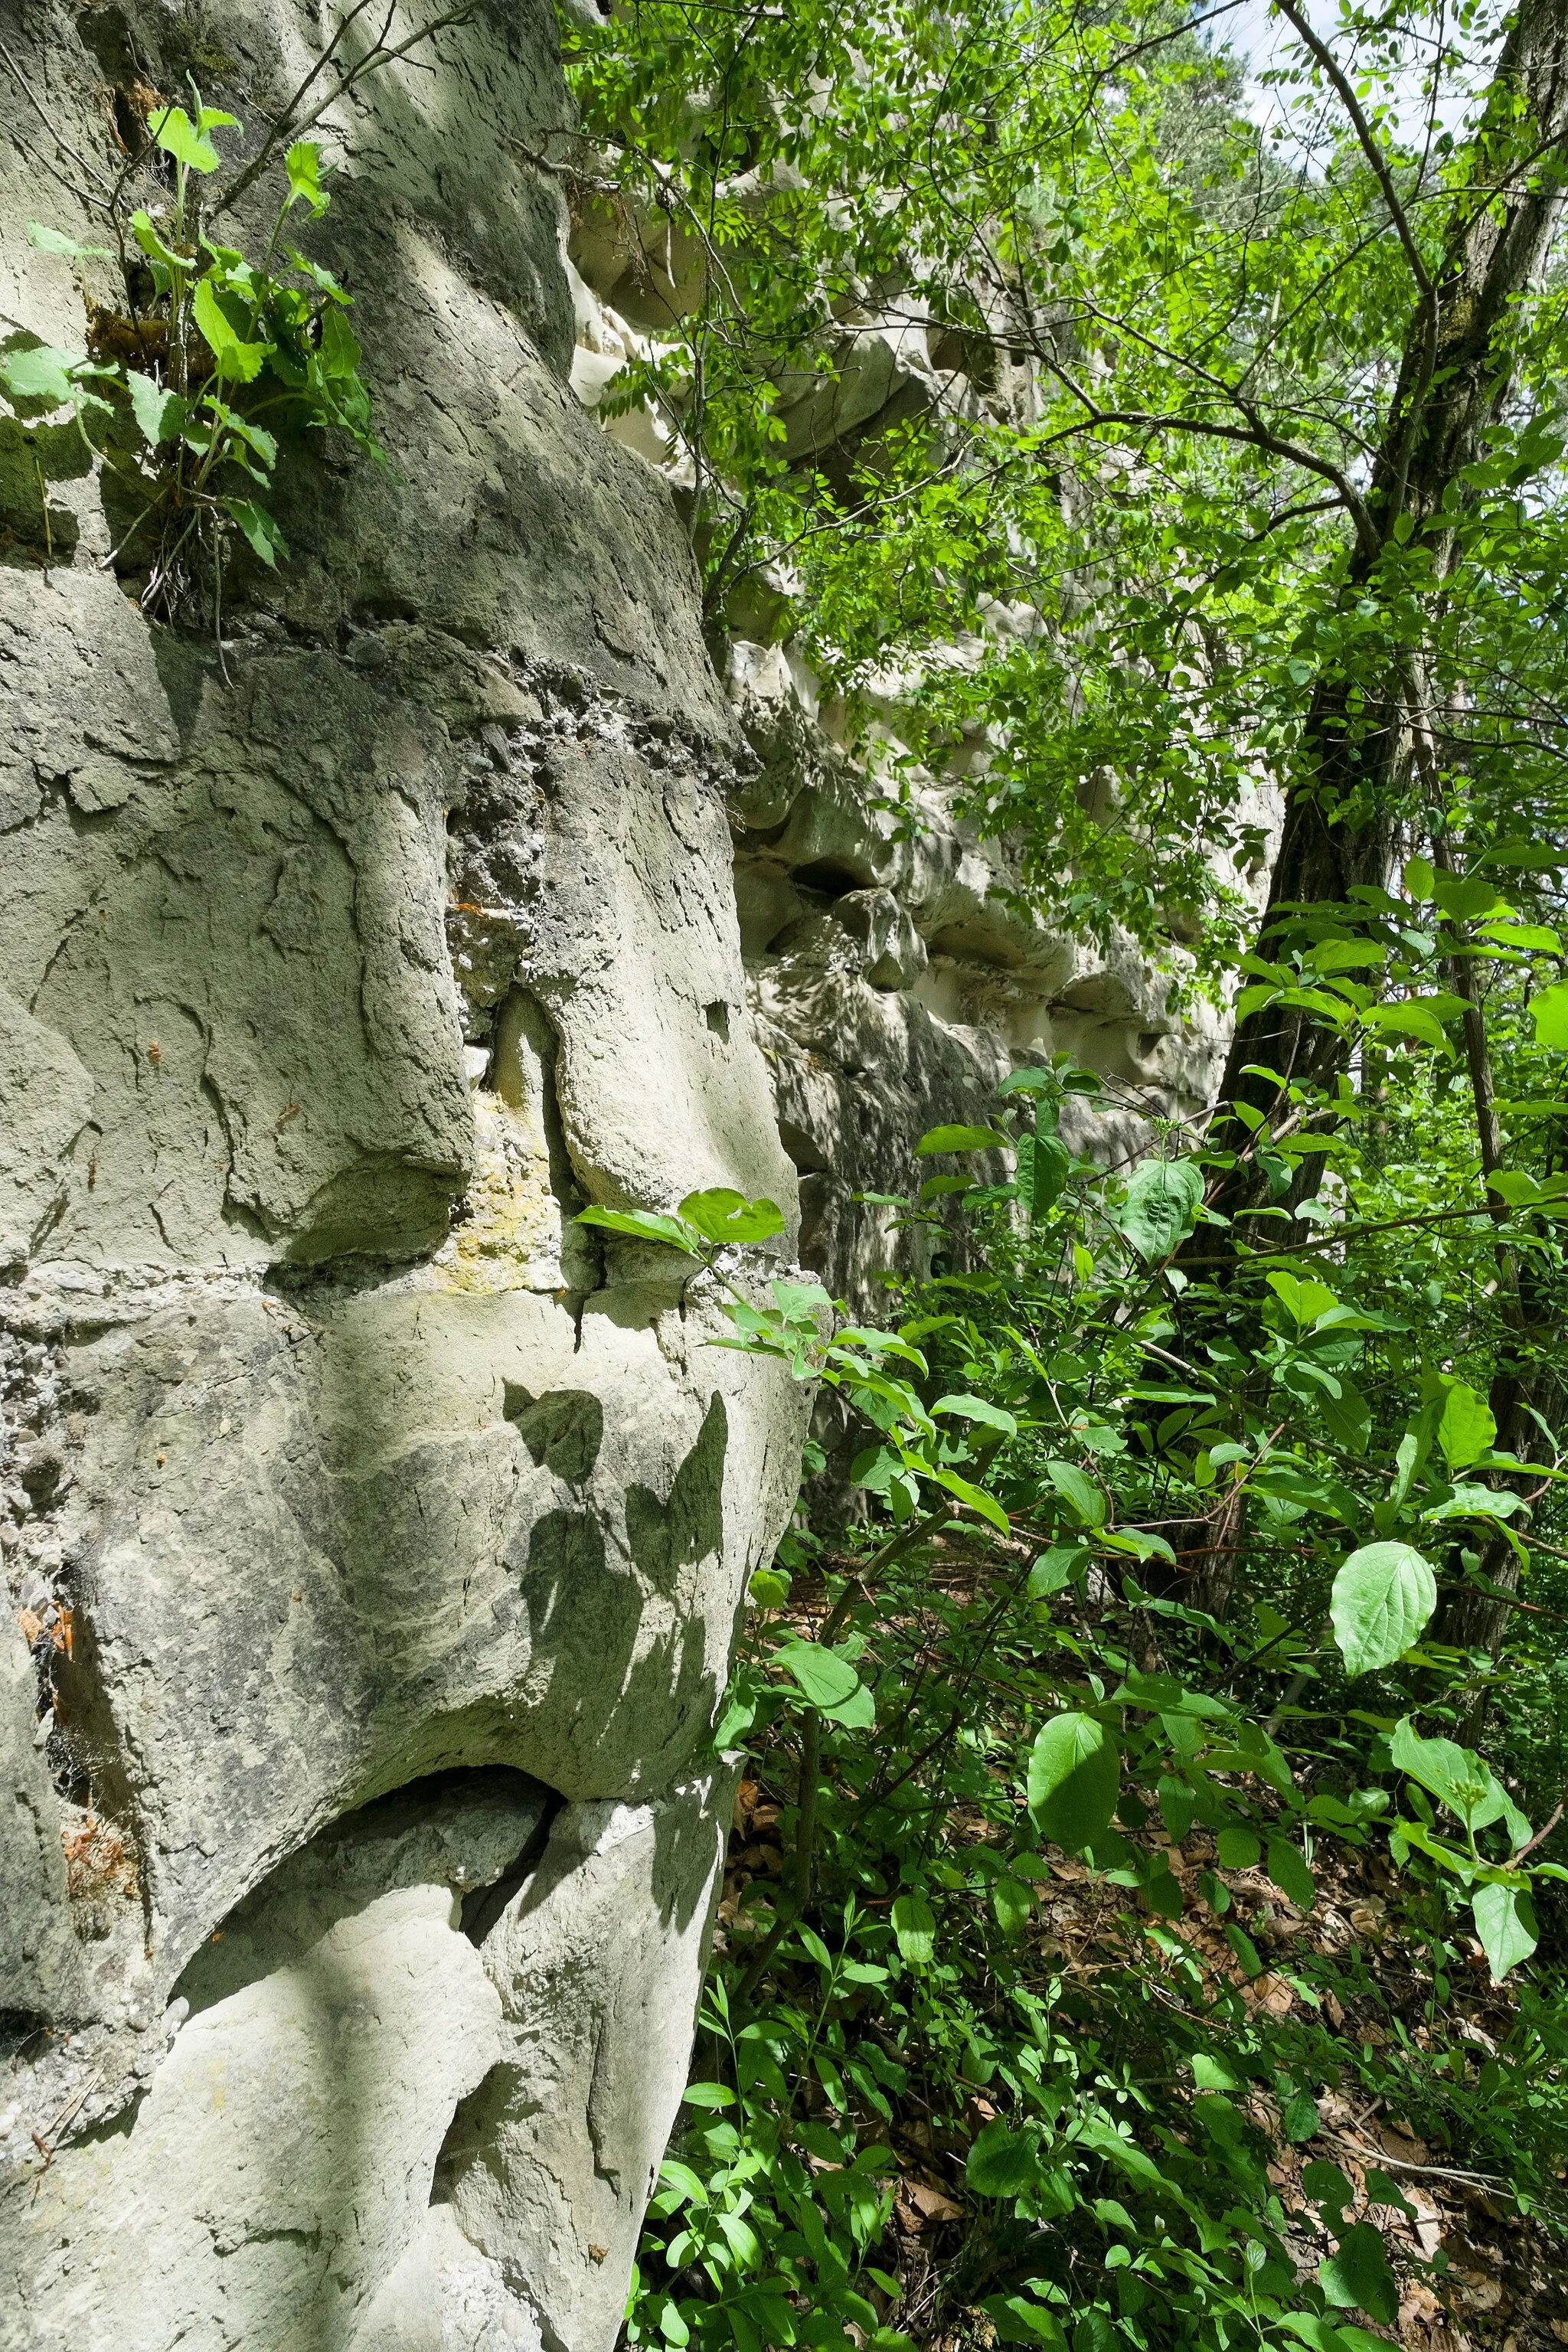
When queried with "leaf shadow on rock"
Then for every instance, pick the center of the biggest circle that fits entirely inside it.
(665, 1538)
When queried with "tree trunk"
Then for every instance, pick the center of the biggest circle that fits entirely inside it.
(1341, 815)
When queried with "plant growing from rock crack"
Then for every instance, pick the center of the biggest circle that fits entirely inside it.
(212, 353)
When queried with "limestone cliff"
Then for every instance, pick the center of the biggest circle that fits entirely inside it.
(374, 1545)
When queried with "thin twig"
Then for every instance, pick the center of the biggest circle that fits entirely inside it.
(1364, 138)
(1544, 1833)
(1399, 2164)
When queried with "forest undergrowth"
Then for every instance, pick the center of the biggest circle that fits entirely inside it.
(1427, 2074)
(1137, 1927)
(1145, 1924)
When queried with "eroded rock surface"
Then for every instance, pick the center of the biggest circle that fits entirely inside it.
(373, 1540)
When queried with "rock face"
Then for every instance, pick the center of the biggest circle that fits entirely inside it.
(895, 975)
(895, 969)
(374, 1541)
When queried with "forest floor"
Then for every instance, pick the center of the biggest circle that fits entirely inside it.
(1476, 2273)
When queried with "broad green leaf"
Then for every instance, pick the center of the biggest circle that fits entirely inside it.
(1357, 2277)
(1246, 1950)
(1313, 2329)
(321, 277)
(989, 1508)
(1346, 955)
(1549, 1014)
(969, 1408)
(1453, 1774)
(1253, 1752)
(1212, 2072)
(1413, 1019)
(672, 2327)
(1053, 1569)
(1095, 2133)
(642, 1225)
(236, 355)
(178, 136)
(159, 413)
(1001, 2162)
(1287, 1866)
(41, 373)
(740, 1712)
(1162, 1891)
(1079, 1490)
(722, 1215)
(1505, 1922)
(1467, 1430)
(1470, 1502)
(260, 532)
(1237, 1849)
(827, 1676)
(1515, 1186)
(963, 1138)
(1165, 1694)
(1326, 2185)
(1466, 896)
(1074, 1779)
(303, 164)
(1304, 1301)
(54, 240)
(1178, 1806)
(339, 350)
(1347, 1416)
(798, 1301)
(856, 1713)
(1044, 1166)
(1382, 1598)
(1299, 2118)
(1549, 1011)
(1012, 1902)
(1532, 937)
(1162, 1199)
(147, 236)
(707, 2094)
(254, 438)
(914, 1925)
(1015, 2320)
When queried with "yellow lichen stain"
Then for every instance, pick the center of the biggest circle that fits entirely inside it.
(511, 1237)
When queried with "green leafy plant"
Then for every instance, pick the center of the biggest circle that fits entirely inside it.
(183, 395)
(1014, 1664)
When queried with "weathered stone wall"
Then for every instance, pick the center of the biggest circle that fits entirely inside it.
(374, 1542)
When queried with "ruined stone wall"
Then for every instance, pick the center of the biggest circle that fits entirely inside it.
(373, 1543)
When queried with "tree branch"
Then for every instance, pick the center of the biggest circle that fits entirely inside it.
(1365, 139)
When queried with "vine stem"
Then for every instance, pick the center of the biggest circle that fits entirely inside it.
(805, 1823)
